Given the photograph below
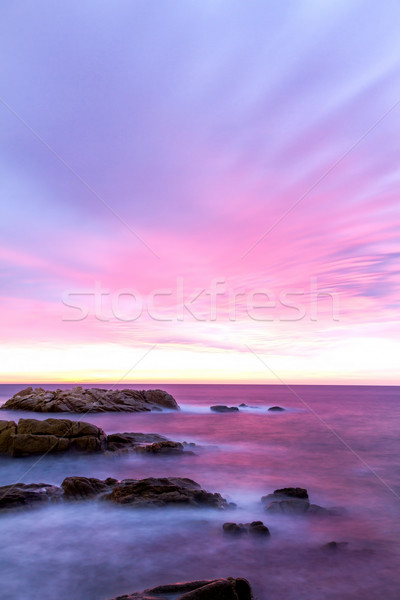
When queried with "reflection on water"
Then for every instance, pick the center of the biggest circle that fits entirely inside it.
(93, 552)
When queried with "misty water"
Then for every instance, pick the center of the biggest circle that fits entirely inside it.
(342, 443)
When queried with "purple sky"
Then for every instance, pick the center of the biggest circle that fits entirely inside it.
(167, 145)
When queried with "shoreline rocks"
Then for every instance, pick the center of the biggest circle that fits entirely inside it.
(84, 400)
(136, 493)
(55, 436)
(216, 589)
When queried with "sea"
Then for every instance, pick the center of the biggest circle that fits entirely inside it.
(341, 443)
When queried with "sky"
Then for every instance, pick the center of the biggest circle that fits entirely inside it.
(200, 191)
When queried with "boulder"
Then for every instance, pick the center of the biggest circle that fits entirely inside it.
(292, 501)
(220, 408)
(217, 589)
(256, 528)
(31, 436)
(22, 495)
(84, 400)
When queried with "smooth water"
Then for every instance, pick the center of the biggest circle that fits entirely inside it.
(340, 442)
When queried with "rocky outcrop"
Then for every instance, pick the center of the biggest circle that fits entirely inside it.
(84, 400)
(256, 528)
(136, 493)
(217, 589)
(22, 495)
(292, 501)
(54, 436)
(31, 436)
(220, 408)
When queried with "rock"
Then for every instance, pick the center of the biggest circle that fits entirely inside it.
(82, 488)
(243, 405)
(7, 431)
(256, 528)
(165, 447)
(217, 589)
(164, 491)
(289, 492)
(137, 493)
(22, 495)
(86, 400)
(224, 409)
(335, 546)
(31, 436)
(292, 501)
(234, 528)
(276, 409)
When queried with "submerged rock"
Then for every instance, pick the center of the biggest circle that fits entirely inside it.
(224, 409)
(136, 493)
(84, 400)
(256, 528)
(217, 589)
(54, 436)
(335, 546)
(276, 409)
(292, 501)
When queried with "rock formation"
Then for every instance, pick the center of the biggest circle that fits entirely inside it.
(217, 589)
(292, 501)
(256, 528)
(224, 409)
(136, 493)
(55, 436)
(84, 400)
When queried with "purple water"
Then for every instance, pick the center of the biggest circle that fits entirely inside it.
(340, 442)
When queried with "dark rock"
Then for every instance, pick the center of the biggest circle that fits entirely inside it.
(218, 589)
(234, 528)
(335, 546)
(7, 431)
(256, 528)
(224, 409)
(243, 405)
(276, 409)
(164, 491)
(165, 447)
(82, 488)
(86, 400)
(292, 501)
(117, 442)
(284, 493)
(22, 495)
(138, 493)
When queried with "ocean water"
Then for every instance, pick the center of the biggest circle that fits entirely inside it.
(342, 443)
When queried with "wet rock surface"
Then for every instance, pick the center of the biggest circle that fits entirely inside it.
(217, 589)
(22, 495)
(292, 501)
(55, 436)
(220, 408)
(256, 528)
(136, 493)
(84, 400)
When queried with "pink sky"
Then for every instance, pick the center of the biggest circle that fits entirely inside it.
(166, 146)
